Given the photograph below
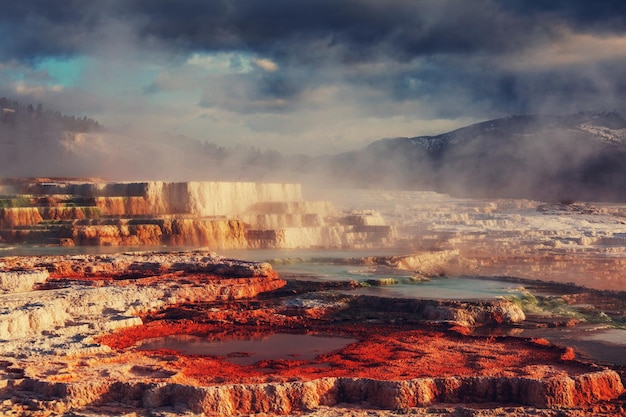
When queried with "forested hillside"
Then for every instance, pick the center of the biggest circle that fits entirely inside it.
(27, 116)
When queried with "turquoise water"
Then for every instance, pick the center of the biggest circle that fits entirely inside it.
(401, 284)
(457, 288)
(601, 343)
(338, 266)
(321, 265)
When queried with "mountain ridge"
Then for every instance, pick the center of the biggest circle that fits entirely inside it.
(578, 156)
(603, 124)
(548, 157)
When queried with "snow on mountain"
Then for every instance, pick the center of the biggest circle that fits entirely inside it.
(605, 134)
(603, 127)
(578, 156)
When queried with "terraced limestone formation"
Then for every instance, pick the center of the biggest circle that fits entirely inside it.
(220, 215)
(80, 334)
(72, 345)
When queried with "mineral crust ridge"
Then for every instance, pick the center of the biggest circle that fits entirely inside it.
(55, 361)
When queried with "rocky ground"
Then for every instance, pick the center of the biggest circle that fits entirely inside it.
(71, 346)
(565, 242)
(74, 329)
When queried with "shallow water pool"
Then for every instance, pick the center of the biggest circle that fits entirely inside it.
(396, 283)
(596, 343)
(247, 351)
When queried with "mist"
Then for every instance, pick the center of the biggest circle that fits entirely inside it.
(248, 90)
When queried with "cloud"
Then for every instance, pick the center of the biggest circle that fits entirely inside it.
(278, 30)
(313, 75)
(607, 16)
(573, 49)
(266, 64)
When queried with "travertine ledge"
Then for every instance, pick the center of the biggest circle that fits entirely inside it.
(85, 295)
(297, 397)
(68, 344)
(219, 215)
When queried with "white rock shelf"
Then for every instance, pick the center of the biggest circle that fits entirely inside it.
(21, 280)
(42, 322)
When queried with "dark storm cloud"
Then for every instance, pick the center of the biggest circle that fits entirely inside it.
(346, 30)
(355, 29)
(306, 30)
(460, 57)
(34, 29)
(604, 15)
(501, 91)
(458, 46)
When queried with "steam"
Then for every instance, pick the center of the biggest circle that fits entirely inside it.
(311, 77)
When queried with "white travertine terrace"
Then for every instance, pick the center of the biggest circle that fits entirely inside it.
(200, 198)
(220, 215)
(68, 317)
(215, 198)
(21, 280)
(584, 243)
(568, 242)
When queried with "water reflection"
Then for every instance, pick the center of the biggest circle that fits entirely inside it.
(385, 281)
(602, 343)
(37, 250)
(251, 350)
(599, 344)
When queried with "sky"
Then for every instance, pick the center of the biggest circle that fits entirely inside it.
(311, 76)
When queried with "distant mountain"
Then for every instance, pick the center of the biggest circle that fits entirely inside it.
(575, 157)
